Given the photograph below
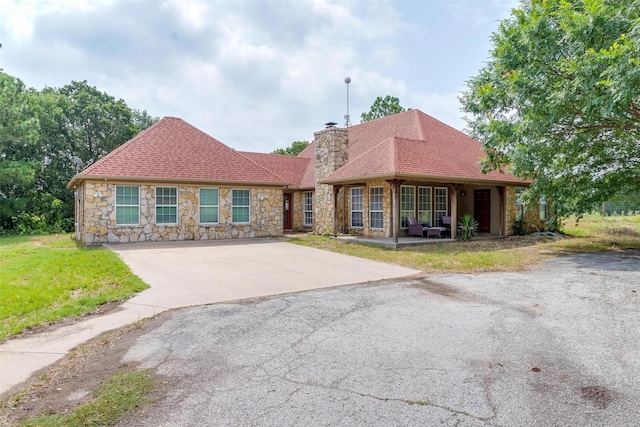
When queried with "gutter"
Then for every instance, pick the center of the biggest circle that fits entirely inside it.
(77, 179)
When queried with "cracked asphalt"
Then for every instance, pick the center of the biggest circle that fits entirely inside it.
(555, 346)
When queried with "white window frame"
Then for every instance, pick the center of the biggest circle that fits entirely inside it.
(166, 205)
(243, 207)
(405, 212)
(308, 208)
(544, 208)
(127, 205)
(520, 205)
(357, 207)
(440, 204)
(425, 211)
(376, 207)
(215, 205)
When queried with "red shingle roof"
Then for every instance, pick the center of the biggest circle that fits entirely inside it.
(291, 168)
(172, 149)
(409, 144)
(413, 144)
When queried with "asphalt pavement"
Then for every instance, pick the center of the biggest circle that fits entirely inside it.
(190, 273)
(555, 346)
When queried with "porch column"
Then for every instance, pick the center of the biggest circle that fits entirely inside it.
(503, 225)
(336, 190)
(395, 209)
(453, 189)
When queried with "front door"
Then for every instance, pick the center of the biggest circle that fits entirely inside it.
(287, 208)
(482, 210)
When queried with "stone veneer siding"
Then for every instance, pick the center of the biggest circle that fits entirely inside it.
(331, 153)
(531, 213)
(99, 225)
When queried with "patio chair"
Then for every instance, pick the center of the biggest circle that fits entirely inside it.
(416, 229)
(446, 223)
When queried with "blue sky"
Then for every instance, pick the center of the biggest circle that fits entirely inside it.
(257, 75)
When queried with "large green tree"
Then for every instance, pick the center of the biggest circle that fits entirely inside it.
(95, 121)
(19, 130)
(558, 101)
(382, 107)
(294, 149)
(40, 133)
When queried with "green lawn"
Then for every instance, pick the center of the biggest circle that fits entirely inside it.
(44, 279)
(592, 233)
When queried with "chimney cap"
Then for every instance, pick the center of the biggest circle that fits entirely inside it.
(330, 124)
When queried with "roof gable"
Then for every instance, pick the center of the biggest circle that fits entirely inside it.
(172, 149)
(414, 144)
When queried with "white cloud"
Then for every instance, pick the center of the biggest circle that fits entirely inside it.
(255, 74)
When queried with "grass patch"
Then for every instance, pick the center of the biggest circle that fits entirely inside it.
(116, 398)
(44, 279)
(591, 234)
(473, 256)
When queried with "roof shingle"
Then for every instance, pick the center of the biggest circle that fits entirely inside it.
(172, 149)
(414, 144)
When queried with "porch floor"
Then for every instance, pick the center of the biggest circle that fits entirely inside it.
(403, 242)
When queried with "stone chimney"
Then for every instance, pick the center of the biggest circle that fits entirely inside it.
(331, 153)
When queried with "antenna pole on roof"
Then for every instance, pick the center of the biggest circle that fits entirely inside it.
(347, 117)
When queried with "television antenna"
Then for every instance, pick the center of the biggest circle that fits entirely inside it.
(347, 117)
(79, 163)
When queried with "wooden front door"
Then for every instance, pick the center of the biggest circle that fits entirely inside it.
(482, 210)
(286, 209)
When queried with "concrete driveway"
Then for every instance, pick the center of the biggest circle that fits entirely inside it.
(551, 347)
(183, 274)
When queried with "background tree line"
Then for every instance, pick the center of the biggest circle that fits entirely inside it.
(40, 133)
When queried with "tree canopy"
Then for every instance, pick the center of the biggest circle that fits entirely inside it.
(558, 101)
(382, 107)
(294, 149)
(40, 132)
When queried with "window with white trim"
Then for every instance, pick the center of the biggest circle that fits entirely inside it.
(240, 212)
(441, 204)
(308, 208)
(166, 205)
(407, 204)
(356, 207)
(376, 216)
(209, 204)
(424, 205)
(520, 206)
(544, 208)
(127, 204)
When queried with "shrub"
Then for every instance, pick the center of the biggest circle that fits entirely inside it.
(467, 227)
(519, 227)
(27, 223)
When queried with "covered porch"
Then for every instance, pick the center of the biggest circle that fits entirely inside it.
(382, 208)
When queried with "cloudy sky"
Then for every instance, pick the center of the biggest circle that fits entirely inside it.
(256, 75)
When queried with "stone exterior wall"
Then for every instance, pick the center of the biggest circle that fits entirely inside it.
(531, 213)
(99, 225)
(331, 153)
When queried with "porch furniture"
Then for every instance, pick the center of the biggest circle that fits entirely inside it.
(446, 222)
(435, 232)
(416, 229)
